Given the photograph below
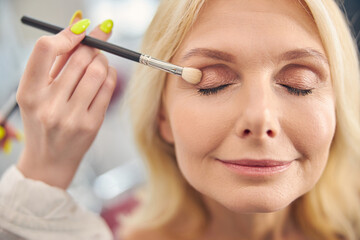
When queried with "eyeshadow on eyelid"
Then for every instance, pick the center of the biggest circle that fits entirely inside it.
(217, 75)
(300, 77)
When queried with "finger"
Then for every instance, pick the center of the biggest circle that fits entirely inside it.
(76, 66)
(6, 146)
(10, 131)
(102, 99)
(6, 134)
(61, 60)
(59, 64)
(76, 16)
(91, 82)
(7, 131)
(46, 49)
(2, 133)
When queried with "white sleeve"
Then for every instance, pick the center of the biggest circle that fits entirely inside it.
(35, 210)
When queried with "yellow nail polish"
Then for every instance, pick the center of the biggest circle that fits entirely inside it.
(7, 146)
(19, 136)
(77, 14)
(2, 132)
(106, 26)
(80, 26)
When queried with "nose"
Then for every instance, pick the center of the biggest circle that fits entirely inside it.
(258, 117)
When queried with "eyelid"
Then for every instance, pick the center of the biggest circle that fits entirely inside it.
(298, 76)
(216, 75)
(317, 69)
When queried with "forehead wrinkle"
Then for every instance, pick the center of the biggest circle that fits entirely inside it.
(209, 53)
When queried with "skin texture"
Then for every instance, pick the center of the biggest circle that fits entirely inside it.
(255, 117)
(63, 96)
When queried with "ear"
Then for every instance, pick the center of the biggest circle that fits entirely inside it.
(164, 125)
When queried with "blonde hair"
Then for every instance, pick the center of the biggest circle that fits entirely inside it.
(331, 210)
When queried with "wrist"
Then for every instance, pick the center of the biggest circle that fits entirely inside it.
(56, 175)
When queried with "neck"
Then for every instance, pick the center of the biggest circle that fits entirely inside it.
(225, 224)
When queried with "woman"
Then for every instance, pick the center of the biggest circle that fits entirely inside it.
(264, 147)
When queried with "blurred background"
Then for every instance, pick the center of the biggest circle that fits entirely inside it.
(112, 167)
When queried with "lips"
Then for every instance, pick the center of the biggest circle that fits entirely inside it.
(256, 163)
(255, 167)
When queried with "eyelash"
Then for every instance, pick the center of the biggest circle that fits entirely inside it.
(291, 90)
(211, 91)
(296, 91)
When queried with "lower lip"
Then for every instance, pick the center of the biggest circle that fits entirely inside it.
(257, 171)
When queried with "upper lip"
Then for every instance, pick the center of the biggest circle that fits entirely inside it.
(257, 162)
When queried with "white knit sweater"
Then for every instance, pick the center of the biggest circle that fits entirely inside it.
(35, 210)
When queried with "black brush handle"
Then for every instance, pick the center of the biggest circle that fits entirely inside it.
(5, 118)
(8, 108)
(89, 41)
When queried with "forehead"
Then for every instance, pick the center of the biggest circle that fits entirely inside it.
(230, 10)
(243, 26)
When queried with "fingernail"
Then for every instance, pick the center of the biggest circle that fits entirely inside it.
(80, 26)
(19, 136)
(106, 26)
(7, 146)
(77, 14)
(2, 132)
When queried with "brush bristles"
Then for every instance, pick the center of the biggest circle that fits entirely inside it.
(191, 75)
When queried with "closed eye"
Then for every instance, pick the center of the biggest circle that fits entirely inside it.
(296, 91)
(212, 91)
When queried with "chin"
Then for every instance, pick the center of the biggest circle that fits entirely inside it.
(259, 208)
(258, 203)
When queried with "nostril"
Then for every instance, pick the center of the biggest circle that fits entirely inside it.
(270, 133)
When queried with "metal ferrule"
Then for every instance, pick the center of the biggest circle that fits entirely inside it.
(155, 63)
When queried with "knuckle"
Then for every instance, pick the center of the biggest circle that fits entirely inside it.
(48, 117)
(70, 125)
(110, 84)
(44, 44)
(97, 71)
(103, 58)
(20, 99)
(112, 72)
(24, 100)
(79, 125)
(88, 128)
(78, 62)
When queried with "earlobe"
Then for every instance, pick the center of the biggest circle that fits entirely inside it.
(164, 126)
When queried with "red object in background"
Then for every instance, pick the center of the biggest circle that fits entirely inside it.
(122, 207)
(121, 81)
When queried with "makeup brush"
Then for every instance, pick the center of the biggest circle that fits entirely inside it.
(190, 75)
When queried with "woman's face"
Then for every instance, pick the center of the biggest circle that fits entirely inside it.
(255, 133)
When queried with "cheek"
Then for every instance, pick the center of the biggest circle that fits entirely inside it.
(311, 132)
(199, 126)
(197, 129)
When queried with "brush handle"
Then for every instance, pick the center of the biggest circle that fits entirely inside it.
(8, 108)
(89, 41)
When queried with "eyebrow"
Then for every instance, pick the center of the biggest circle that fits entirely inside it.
(227, 57)
(209, 53)
(303, 53)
